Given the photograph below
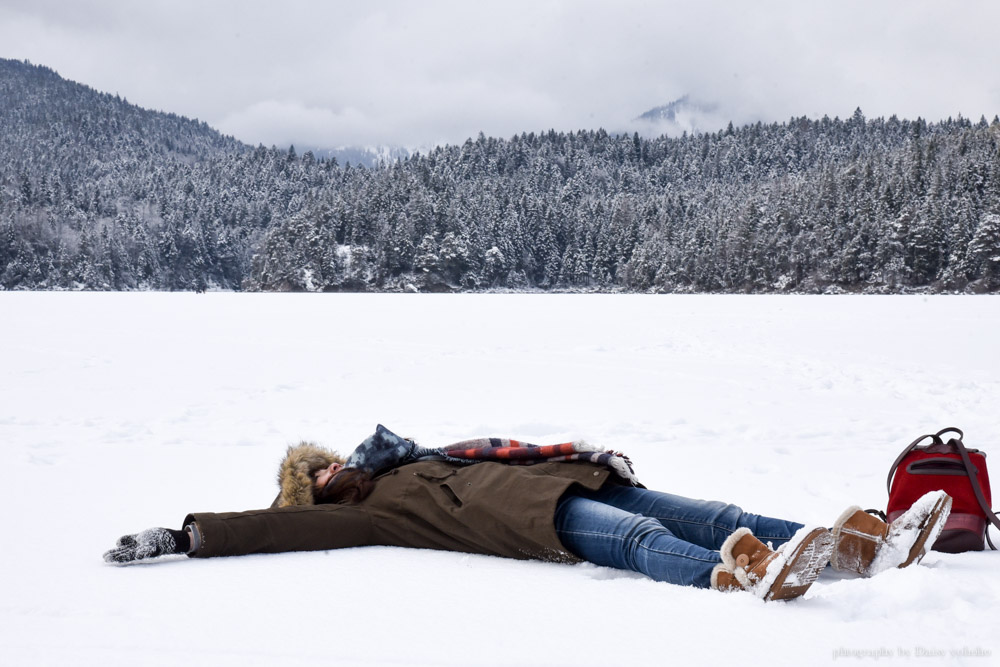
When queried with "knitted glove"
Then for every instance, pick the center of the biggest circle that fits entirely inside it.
(148, 544)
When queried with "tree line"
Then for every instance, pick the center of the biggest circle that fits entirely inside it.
(96, 193)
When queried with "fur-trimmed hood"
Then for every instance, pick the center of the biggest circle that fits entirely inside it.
(295, 474)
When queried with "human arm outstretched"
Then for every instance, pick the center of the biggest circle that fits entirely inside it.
(296, 528)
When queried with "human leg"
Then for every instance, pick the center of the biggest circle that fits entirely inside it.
(613, 537)
(705, 523)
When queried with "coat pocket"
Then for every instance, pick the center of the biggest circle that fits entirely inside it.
(434, 476)
(451, 495)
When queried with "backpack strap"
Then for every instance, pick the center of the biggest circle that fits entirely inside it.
(977, 488)
(948, 430)
(935, 438)
(879, 513)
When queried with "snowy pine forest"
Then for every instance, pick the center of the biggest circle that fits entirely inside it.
(99, 194)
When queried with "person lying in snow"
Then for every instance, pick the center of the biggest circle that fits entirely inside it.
(574, 502)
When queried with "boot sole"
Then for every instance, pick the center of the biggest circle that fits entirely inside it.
(929, 530)
(802, 566)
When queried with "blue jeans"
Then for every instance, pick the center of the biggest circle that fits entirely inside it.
(666, 537)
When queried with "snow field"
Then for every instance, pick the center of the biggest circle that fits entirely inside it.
(123, 411)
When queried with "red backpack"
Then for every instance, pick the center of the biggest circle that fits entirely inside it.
(959, 472)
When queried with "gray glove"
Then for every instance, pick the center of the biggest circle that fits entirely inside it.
(149, 543)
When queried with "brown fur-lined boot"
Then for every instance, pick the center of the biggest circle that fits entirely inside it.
(747, 564)
(866, 545)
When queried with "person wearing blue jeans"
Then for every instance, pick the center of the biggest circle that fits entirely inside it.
(573, 502)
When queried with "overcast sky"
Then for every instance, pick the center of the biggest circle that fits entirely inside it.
(412, 73)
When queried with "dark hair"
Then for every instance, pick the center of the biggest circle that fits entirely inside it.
(348, 487)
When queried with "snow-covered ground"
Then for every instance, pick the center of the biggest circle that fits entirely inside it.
(124, 411)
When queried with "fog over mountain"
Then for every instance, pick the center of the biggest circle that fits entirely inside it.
(679, 116)
(418, 74)
(671, 119)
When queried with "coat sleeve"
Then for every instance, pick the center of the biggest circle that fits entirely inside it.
(296, 528)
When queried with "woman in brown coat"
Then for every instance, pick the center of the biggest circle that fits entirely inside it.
(556, 511)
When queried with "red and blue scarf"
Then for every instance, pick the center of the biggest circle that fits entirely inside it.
(385, 450)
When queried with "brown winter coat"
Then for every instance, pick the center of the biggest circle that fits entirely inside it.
(486, 508)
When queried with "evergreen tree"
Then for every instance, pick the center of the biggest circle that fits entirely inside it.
(985, 248)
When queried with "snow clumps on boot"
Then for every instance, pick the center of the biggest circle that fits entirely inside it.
(866, 545)
(748, 564)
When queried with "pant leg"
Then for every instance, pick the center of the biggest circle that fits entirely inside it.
(613, 537)
(706, 523)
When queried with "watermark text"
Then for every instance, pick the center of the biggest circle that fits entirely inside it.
(916, 652)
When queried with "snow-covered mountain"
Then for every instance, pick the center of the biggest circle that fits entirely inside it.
(685, 114)
(682, 106)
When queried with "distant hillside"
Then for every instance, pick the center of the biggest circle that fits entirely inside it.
(96, 193)
(101, 194)
(37, 105)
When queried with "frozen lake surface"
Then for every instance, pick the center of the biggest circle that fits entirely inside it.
(123, 411)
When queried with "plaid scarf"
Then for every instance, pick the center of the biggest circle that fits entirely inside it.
(516, 452)
(384, 450)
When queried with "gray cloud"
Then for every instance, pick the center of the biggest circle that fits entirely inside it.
(418, 73)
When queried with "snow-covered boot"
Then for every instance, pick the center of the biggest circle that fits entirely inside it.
(867, 545)
(747, 564)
